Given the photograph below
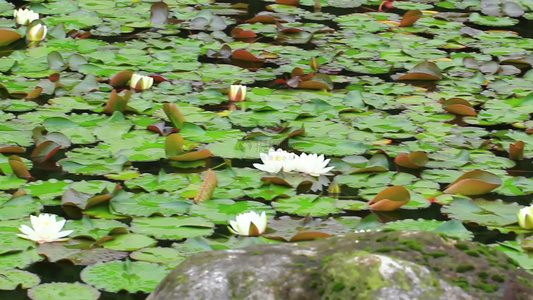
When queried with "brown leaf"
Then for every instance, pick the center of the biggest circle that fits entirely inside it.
(241, 54)
(19, 168)
(207, 188)
(389, 198)
(410, 17)
(516, 150)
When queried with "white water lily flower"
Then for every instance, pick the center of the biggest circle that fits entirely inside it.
(141, 82)
(25, 16)
(244, 221)
(525, 217)
(37, 33)
(275, 160)
(45, 229)
(237, 92)
(312, 164)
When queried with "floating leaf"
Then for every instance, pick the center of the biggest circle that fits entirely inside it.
(476, 182)
(390, 198)
(206, 189)
(175, 228)
(483, 212)
(63, 291)
(124, 275)
(306, 204)
(78, 256)
(11, 279)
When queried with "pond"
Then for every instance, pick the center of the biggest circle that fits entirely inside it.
(421, 110)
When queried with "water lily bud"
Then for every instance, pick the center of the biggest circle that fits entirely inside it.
(25, 16)
(249, 224)
(37, 32)
(140, 82)
(237, 92)
(525, 217)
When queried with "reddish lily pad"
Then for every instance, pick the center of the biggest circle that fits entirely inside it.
(241, 54)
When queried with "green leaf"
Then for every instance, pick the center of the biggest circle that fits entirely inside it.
(119, 275)
(174, 228)
(483, 212)
(306, 204)
(63, 291)
(11, 279)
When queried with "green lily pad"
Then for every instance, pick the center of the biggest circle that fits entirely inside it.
(129, 242)
(63, 290)
(11, 279)
(483, 212)
(174, 228)
(124, 275)
(451, 228)
(167, 256)
(306, 204)
(220, 211)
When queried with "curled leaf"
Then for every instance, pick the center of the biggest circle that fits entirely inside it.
(121, 78)
(423, 71)
(192, 156)
(159, 13)
(459, 106)
(410, 17)
(8, 36)
(19, 168)
(413, 160)
(476, 182)
(207, 188)
(516, 150)
(390, 198)
(174, 145)
(117, 102)
(174, 114)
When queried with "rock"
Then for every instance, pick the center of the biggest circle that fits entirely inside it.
(376, 265)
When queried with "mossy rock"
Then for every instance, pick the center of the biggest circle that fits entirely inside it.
(370, 265)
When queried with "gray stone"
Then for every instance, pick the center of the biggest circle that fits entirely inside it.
(377, 265)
